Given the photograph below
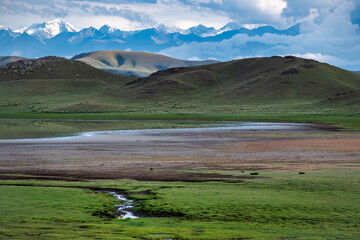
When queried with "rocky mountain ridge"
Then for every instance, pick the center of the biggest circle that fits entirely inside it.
(62, 39)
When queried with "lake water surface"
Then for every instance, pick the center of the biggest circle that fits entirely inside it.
(27, 130)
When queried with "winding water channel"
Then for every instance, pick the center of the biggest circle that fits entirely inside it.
(124, 208)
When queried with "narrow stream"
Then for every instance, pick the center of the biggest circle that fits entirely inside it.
(125, 206)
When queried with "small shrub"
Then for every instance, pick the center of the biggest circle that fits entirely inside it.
(301, 172)
(254, 173)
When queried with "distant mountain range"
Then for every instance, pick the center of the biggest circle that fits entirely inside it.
(134, 63)
(62, 39)
(48, 30)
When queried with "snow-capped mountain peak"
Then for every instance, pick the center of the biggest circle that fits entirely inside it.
(4, 28)
(50, 29)
(115, 32)
(167, 29)
(107, 29)
(230, 26)
(201, 31)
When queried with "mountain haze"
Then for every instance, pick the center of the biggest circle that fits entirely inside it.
(134, 63)
(8, 59)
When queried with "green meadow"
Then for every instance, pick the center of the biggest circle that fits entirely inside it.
(274, 205)
(350, 122)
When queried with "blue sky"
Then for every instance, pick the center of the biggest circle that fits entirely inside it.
(329, 28)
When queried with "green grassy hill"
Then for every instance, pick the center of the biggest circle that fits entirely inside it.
(7, 59)
(273, 89)
(254, 81)
(251, 80)
(134, 63)
(54, 84)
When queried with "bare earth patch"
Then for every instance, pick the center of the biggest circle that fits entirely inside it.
(342, 144)
(169, 155)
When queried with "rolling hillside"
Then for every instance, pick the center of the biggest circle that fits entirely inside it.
(134, 63)
(275, 85)
(54, 84)
(252, 82)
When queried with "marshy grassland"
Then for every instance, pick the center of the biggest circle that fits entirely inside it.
(283, 184)
(320, 204)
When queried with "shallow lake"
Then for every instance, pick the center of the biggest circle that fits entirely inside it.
(29, 130)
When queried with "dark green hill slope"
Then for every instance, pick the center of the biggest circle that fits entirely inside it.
(134, 63)
(55, 84)
(255, 80)
(255, 86)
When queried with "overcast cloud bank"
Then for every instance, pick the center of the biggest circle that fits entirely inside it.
(329, 29)
(327, 37)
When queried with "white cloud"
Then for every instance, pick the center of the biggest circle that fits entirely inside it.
(170, 13)
(194, 58)
(331, 38)
(252, 26)
(272, 7)
(129, 14)
(353, 64)
(322, 58)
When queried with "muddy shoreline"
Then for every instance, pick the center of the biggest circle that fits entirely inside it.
(180, 155)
